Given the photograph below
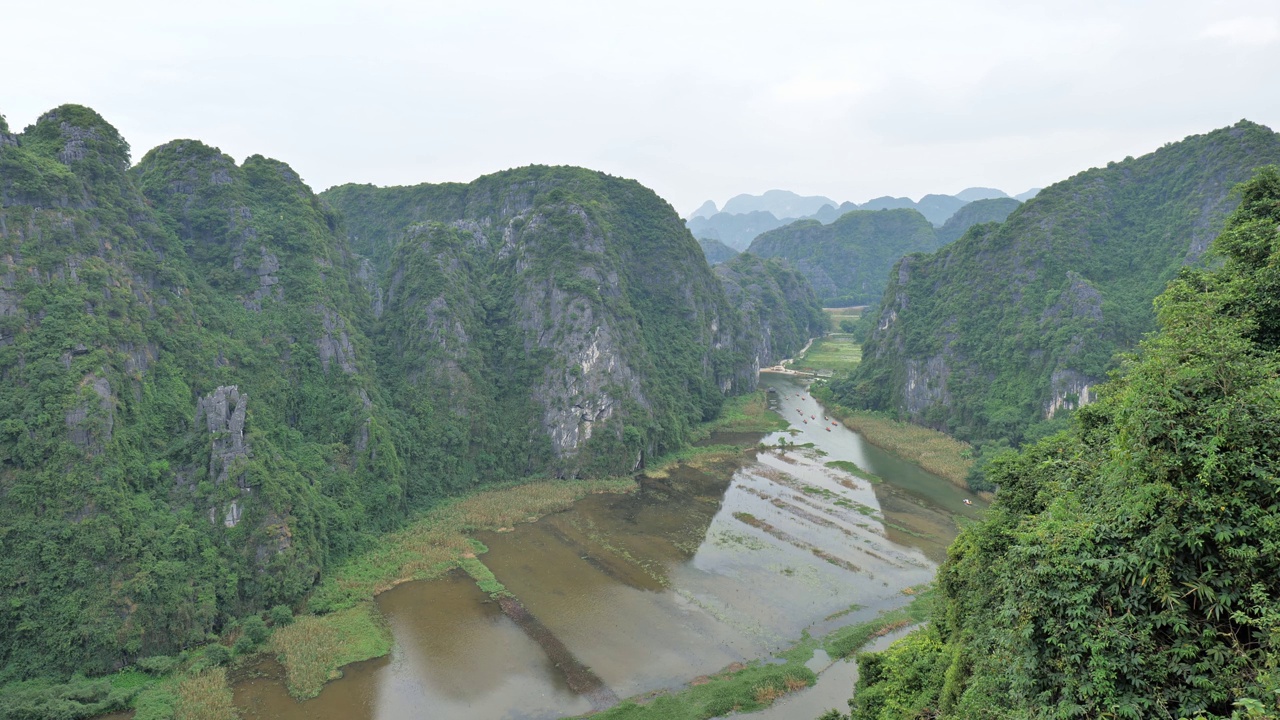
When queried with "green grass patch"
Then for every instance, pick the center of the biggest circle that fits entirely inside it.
(702, 457)
(841, 613)
(744, 413)
(847, 640)
(484, 578)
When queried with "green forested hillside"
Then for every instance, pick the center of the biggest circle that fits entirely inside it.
(975, 213)
(598, 298)
(848, 261)
(1014, 323)
(208, 396)
(182, 398)
(769, 294)
(1130, 566)
(716, 251)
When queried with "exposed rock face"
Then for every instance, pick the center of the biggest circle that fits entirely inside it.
(268, 281)
(335, 343)
(223, 412)
(92, 436)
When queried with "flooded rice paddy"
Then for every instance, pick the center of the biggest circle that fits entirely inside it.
(624, 595)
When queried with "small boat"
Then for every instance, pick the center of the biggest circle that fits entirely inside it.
(967, 501)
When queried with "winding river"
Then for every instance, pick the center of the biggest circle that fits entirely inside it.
(696, 571)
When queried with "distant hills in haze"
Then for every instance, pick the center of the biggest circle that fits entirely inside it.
(745, 217)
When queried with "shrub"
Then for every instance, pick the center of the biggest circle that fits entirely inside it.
(217, 654)
(255, 629)
(157, 664)
(280, 615)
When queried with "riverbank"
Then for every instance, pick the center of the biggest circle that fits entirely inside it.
(442, 540)
(934, 451)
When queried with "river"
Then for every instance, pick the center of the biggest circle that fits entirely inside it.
(644, 592)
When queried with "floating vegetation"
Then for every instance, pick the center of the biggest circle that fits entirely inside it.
(854, 470)
(784, 536)
(731, 539)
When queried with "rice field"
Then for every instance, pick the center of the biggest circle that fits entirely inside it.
(845, 313)
(830, 354)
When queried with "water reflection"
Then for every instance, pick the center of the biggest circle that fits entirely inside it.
(694, 572)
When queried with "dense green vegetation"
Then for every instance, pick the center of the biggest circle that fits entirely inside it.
(975, 213)
(175, 450)
(1130, 565)
(209, 398)
(716, 251)
(541, 272)
(769, 294)
(1018, 322)
(848, 261)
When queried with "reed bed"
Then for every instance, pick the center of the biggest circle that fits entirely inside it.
(204, 696)
(934, 451)
(314, 648)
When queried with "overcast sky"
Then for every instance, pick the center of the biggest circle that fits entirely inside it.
(697, 100)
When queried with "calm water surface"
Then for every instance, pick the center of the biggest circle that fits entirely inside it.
(694, 572)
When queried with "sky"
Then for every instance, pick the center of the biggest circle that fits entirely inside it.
(697, 100)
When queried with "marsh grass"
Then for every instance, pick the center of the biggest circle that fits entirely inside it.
(204, 696)
(313, 648)
(855, 471)
(435, 544)
(702, 457)
(484, 578)
(934, 451)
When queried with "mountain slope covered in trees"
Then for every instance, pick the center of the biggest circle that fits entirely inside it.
(1130, 566)
(715, 251)
(1013, 323)
(848, 261)
(209, 396)
(975, 213)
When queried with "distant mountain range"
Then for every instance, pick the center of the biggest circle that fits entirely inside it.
(745, 217)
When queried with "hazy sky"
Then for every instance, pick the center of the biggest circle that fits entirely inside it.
(697, 100)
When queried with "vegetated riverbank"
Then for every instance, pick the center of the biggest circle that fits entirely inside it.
(756, 685)
(340, 624)
(440, 542)
(934, 451)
